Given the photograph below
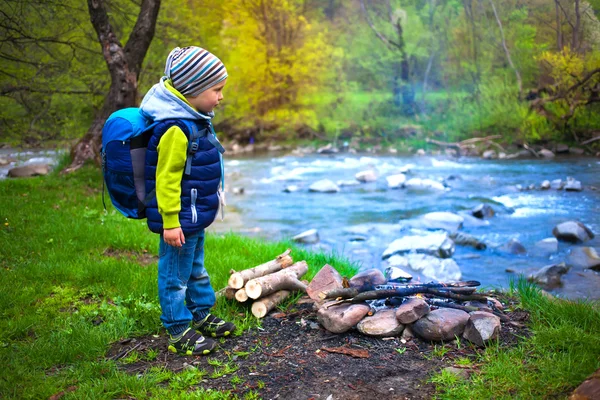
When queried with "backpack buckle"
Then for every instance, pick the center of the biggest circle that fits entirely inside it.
(194, 147)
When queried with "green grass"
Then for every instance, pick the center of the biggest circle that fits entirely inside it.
(563, 350)
(71, 283)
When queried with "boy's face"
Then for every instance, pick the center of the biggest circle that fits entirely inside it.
(206, 101)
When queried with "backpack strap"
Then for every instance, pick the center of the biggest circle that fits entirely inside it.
(193, 143)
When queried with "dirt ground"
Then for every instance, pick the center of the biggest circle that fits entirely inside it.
(293, 357)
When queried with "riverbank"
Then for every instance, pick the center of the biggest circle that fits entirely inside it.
(76, 283)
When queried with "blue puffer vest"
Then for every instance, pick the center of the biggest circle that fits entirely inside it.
(199, 189)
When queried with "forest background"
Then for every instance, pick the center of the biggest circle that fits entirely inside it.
(368, 70)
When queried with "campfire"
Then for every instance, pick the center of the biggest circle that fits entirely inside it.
(373, 303)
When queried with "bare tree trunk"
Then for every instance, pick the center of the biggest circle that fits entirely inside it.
(124, 65)
(507, 52)
(559, 37)
(577, 27)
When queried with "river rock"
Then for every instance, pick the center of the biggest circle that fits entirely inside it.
(545, 247)
(328, 149)
(430, 267)
(489, 155)
(460, 373)
(546, 153)
(395, 181)
(513, 246)
(572, 231)
(326, 279)
(550, 275)
(367, 279)
(366, 176)
(291, 189)
(557, 184)
(573, 185)
(4, 161)
(576, 151)
(481, 328)
(545, 185)
(339, 319)
(464, 239)
(395, 274)
(438, 244)
(585, 258)
(424, 184)
(441, 324)
(29, 170)
(442, 220)
(324, 186)
(381, 324)
(561, 148)
(310, 236)
(469, 221)
(352, 182)
(589, 389)
(483, 211)
(411, 310)
(420, 153)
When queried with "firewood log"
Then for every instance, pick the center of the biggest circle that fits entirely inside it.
(228, 292)
(240, 295)
(261, 307)
(287, 279)
(237, 280)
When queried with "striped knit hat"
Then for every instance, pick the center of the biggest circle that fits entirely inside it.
(193, 70)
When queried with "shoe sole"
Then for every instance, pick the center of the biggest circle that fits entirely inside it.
(172, 349)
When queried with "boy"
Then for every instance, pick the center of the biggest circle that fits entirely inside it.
(187, 198)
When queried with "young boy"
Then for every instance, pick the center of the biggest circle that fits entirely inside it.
(186, 184)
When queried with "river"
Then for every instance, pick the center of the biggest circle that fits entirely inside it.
(359, 222)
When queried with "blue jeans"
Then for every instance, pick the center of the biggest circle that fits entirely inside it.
(184, 289)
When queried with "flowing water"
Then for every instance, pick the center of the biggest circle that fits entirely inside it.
(360, 221)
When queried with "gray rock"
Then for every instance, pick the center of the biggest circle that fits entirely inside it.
(572, 231)
(430, 267)
(324, 186)
(472, 222)
(483, 211)
(4, 161)
(310, 236)
(411, 310)
(546, 153)
(481, 328)
(514, 247)
(395, 181)
(438, 244)
(576, 151)
(329, 149)
(339, 319)
(573, 185)
(291, 189)
(397, 274)
(407, 333)
(442, 220)
(366, 176)
(343, 183)
(464, 239)
(29, 170)
(545, 185)
(489, 154)
(502, 156)
(424, 184)
(420, 152)
(561, 148)
(557, 184)
(441, 324)
(585, 258)
(550, 275)
(382, 324)
(545, 247)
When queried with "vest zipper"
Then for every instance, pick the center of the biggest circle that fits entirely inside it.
(194, 195)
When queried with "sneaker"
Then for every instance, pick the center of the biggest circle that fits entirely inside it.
(191, 343)
(213, 326)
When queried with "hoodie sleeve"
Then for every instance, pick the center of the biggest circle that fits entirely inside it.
(172, 151)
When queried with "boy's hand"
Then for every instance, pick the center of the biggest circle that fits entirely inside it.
(174, 237)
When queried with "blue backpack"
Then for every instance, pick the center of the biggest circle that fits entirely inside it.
(125, 137)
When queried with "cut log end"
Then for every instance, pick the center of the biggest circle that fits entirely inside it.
(241, 295)
(253, 289)
(236, 281)
(259, 310)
